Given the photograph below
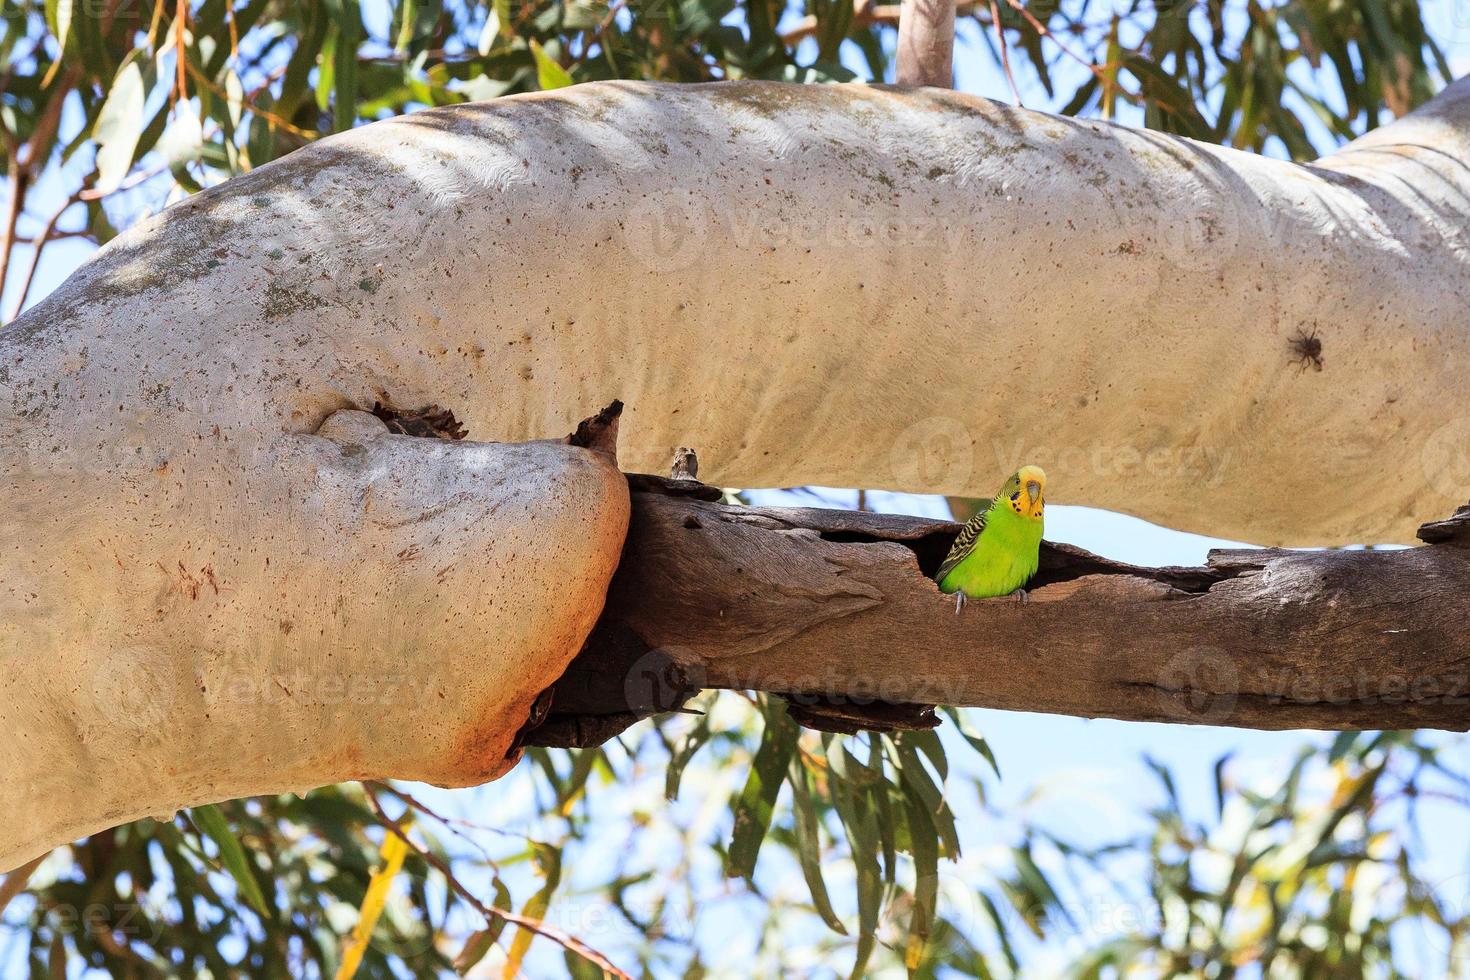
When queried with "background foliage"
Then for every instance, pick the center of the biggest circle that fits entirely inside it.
(837, 850)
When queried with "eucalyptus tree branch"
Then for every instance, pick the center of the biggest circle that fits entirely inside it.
(837, 611)
(222, 577)
(926, 43)
(1131, 327)
(15, 882)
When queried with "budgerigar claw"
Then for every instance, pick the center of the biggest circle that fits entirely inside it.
(959, 601)
(1022, 596)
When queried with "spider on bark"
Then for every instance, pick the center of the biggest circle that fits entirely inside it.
(1306, 349)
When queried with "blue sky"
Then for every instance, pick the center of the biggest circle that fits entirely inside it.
(1088, 773)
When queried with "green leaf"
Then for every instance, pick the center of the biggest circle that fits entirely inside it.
(870, 42)
(1082, 97)
(1220, 764)
(119, 125)
(579, 967)
(480, 942)
(58, 18)
(926, 880)
(212, 824)
(1341, 745)
(1037, 887)
(582, 762)
(756, 803)
(326, 73)
(344, 68)
(809, 843)
(917, 779)
(1165, 93)
(834, 22)
(1166, 779)
(549, 74)
(861, 826)
(408, 17)
(548, 861)
(878, 793)
(976, 740)
(928, 743)
(490, 31)
(183, 139)
(1002, 926)
(1031, 41)
(679, 759)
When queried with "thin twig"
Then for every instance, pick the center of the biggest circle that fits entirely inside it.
(39, 245)
(270, 117)
(45, 130)
(490, 911)
(181, 26)
(1046, 32)
(611, 13)
(864, 14)
(275, 75)
(1005, 52)
(452, 823)
(234, 33)
(19, 179)
(153, 24)
(16, 881)
(93, 194)
(595, 38)
(54, 236)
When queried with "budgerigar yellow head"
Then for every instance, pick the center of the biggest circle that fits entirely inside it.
(1025, 492)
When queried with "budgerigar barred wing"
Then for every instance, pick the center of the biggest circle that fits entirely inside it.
(963, 544)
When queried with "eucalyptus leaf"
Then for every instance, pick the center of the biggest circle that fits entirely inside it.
(118, 126)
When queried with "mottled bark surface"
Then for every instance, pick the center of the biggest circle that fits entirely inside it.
(389, 607)
(838, 609)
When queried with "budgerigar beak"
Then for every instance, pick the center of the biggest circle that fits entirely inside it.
(1033, 490)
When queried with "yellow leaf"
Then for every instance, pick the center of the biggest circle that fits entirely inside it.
(549, 861)
(392, 853)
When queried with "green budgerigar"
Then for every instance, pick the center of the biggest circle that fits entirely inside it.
(998, 550)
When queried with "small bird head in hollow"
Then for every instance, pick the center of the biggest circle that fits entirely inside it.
(1025, 492)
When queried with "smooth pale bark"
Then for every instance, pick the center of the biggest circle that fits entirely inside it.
(839, 285)
(925, 53)
(842, 285)
(231, 616)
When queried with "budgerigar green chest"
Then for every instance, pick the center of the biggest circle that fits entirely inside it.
(1004, 557)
